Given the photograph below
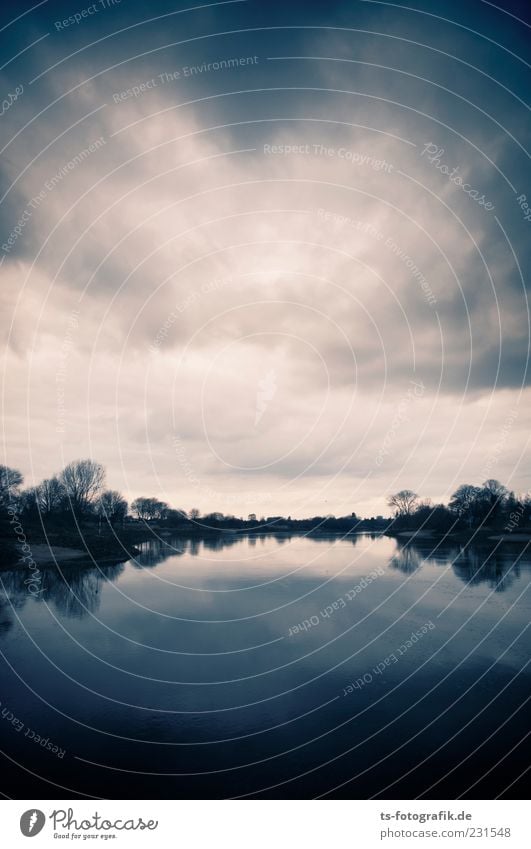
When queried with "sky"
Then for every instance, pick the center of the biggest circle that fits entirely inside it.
(267, 257)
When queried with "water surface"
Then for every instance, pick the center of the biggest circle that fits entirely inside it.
(283, 667)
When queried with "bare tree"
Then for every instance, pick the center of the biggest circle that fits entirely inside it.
(82, 481)
(50, 495)
(214, 517)
(141, 506)
(194, 514)
(149, 508)
(495, 494)
(175, 517)
(160, 509)
(495, 491)
(10, 482)
(464, 498)
(403, 502)
(111, 506)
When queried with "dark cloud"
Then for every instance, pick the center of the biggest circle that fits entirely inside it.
(239, 206)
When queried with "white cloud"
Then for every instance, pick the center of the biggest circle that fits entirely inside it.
(196, 270)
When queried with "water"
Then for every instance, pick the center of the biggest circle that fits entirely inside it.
(269, 668)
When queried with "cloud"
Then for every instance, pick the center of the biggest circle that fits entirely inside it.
(312, 239)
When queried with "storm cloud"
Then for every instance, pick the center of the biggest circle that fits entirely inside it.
(267, 259)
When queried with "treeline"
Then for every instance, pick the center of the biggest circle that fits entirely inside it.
(77, 492)
(77, 496)
(491, 506)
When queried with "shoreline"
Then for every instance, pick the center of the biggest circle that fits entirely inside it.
(46, 555)
(474, 537)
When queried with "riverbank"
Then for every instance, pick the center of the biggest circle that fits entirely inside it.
(478, 536)
(85, 546)
(75, 546)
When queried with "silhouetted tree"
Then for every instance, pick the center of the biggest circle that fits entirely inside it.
(494, 495)
(111, 506)
(149, 508)
(82, 481)
(10, 482)
(27, 504)
(432, 517)
(175, 517)
(464, 500)
(214, 518)
(161, 510)
(50, 495)
(142, 507)
(403, 502)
